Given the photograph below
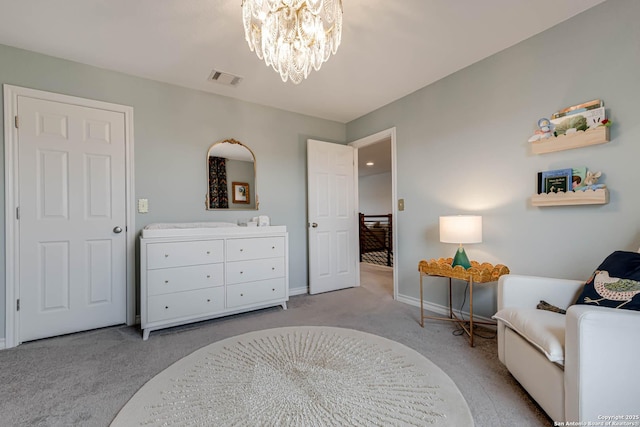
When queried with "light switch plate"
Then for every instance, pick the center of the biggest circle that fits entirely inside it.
(400, 204)
(143, 205)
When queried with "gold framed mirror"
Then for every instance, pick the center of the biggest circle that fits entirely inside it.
(231, 177)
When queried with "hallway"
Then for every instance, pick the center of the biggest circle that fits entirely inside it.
(377, 279)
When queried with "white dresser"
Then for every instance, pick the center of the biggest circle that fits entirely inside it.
(193, 274)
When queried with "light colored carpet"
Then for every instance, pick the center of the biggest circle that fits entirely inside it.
(85, 379)
(300, 376)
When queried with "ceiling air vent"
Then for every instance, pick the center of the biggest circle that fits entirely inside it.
(224, 78)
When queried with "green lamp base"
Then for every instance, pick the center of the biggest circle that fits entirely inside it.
(461, 259)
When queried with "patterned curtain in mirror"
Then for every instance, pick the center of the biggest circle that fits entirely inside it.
(218, 195)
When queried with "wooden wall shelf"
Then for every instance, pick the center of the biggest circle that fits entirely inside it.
(599, 135)
(588, 197)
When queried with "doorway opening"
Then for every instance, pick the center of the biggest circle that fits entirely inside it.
(376, 194)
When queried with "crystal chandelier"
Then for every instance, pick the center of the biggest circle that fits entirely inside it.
(293, 36)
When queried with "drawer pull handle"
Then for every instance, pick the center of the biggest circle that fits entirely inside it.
(241, 272)
(241, 250)
(208, 252)
(166, 281)
(166, 255)
(208, 276)
(166, 307)
(208, 300)
(273, 247)
(241, 295)
(273, 268)
(273, 289)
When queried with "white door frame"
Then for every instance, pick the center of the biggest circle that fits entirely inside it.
(369, 140)
(11, 188)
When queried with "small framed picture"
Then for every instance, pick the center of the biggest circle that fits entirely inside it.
(240, 191)
(557, 180)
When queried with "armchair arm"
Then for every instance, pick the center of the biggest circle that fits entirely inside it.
(527, 291)
(601, 375)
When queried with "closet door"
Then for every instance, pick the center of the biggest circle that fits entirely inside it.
(72, 200)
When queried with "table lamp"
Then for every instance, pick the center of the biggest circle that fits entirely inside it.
(461, 229)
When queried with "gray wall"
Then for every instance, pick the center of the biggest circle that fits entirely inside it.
(374, 194)
(241, 171)
(462, 148)
(174, 128)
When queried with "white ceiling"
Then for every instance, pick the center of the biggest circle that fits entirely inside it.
(389, 48)
(379, 154)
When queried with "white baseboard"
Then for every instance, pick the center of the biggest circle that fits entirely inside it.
(298, 291)
(435, 308)
(439, 309)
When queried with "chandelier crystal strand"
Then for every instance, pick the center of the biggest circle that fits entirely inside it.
(293, 36)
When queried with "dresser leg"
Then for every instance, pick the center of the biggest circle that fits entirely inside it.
(284, 305)
(145, 334)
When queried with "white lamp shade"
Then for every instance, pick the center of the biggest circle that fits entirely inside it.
(461, 229)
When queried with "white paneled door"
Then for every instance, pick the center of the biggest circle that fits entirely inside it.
(72, 216)
(333, 223)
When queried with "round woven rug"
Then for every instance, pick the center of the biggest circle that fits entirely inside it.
(299, 376)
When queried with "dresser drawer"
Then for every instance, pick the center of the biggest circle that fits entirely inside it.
(176, 279)
(178, 254)
(256, 292)
(256, 269)
(255, 248)
(183, 304)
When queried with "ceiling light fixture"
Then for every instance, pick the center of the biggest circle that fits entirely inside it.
(293, 36)
(369, 163)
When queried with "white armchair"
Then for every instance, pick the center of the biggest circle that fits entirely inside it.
(580, 367)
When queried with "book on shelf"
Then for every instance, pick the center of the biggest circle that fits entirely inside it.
(578, 176)
(554, 181)
(581, 121)
(539, 188)
(574, 109)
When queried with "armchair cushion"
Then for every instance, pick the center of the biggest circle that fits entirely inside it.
(543, 329)
(615, 283)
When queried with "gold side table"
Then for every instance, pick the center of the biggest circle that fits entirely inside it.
(477, 273)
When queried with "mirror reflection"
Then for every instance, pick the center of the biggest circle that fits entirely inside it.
(231, 168)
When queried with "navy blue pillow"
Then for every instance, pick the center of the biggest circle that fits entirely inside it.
(616, 283)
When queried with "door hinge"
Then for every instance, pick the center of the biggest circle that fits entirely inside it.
(18, 304)
(18, 212)
(16, 122)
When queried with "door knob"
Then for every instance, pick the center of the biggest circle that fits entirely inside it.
(117, 229)
(314, 225)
